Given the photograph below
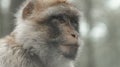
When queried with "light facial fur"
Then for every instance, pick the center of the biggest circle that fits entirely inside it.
(46, 35)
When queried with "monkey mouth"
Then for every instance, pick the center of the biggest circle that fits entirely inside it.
(71, 45)
(69, 50)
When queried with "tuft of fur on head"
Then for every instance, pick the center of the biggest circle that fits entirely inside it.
(38, 5)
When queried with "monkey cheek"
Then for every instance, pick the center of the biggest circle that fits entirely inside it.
(69, 52)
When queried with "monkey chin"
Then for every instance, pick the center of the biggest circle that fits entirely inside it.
(69, 51)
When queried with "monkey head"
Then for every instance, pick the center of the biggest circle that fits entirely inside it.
(52, 25)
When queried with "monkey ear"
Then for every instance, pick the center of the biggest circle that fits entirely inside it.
(28, 10)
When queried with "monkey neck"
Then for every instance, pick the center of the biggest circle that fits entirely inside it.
(51, 59)
(52, 62)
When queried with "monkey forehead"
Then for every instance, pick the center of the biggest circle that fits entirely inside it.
(59, 9)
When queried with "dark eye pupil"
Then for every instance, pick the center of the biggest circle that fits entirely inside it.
(74, 21)
(59, 17)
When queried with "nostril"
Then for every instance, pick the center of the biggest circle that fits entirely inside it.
(73, 35)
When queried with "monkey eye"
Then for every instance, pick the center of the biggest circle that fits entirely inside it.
(75, 22)
(61, 18)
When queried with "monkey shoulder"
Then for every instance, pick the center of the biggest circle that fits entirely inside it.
(13, 55)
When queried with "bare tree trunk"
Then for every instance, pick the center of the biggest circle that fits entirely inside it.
(1, 26)
(15, 4)
(7, 19)
(113, 42)
(4, 20)
(88, 42)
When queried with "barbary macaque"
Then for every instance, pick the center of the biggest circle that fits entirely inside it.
(46, 35)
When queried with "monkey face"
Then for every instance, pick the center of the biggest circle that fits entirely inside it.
(60, 23)
(62, 29)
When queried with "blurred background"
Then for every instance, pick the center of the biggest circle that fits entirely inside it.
(99, 27)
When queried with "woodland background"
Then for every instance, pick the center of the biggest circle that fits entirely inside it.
(100, 30)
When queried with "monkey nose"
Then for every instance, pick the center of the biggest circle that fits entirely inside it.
(75, 35)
